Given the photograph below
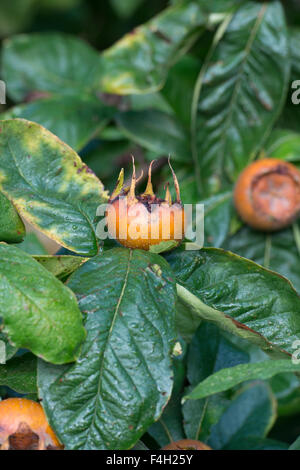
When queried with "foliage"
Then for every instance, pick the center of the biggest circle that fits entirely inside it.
(130, 349)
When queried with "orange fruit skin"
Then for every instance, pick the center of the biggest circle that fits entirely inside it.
(187, 444)
(131, 224)
(267, 194)
(20, 415)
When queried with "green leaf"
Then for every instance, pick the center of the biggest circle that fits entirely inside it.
(127, 8)
(139, 62)
(49, 62)
(239, 296)
(250, 415)
(283, 144)
(15, 16)
(74, 119)
(227, 378)
(12, 229)
(179, 87)
(217, 213)
(61, 266)
(295, 445)
(217, 6)
(169, 427)
(209, 352)
(156, 131)
(104, 160)
(19, 374)
(140, 446)
(123, 378)
(275, 251)
(254, 443)
(7, 350)
(39, 313)
(32, 245)
(49, 185)
(294, 37)
(286, 388)
(241, 89)
(147, 101)
(163, 246)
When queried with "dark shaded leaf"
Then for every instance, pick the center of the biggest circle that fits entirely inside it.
(19, 374)
(217, 213)
(295, 445)
(209, 352)
(243, 90)
(156, 131)
(169, 427)
(276, 251)
(250, 415)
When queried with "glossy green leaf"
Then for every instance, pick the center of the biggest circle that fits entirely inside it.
(250, 415)
(74, 119)
(242, 91)
(12, 229)
(276, 251)
(48, 62)
(209, 352)
(139, 62)
(39, 313)
(227, 378)
(60, 266)
(19, 374)
(123, 378)
(156, 131)
(50, 185)
(239, 296)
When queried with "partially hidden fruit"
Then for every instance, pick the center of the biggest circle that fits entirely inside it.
(187, 444)
(267, 194)
(141, 221)
(24, 426)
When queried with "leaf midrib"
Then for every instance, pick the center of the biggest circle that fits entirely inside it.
(102, 360)
(238, 83)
